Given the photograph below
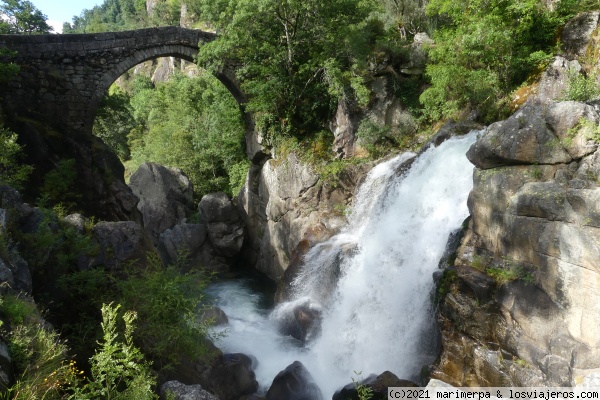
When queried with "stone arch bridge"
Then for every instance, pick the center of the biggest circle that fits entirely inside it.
(63, 78)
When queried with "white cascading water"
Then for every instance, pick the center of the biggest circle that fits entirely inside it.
(373, 281)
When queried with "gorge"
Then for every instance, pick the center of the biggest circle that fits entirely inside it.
(472, 259)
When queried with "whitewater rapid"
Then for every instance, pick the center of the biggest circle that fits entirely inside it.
(373, 281)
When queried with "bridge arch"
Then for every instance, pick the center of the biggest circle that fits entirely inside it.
(64, 78)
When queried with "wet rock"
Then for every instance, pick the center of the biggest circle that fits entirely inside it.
(299, 319)
(174, 390)
(166, 196)
(230, 376)
(313, 236)
(294, 383)
(379, 385)
(214, 315)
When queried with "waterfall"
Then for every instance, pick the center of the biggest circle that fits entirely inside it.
(373, 281)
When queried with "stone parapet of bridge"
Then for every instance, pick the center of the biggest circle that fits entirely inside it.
(63, 78)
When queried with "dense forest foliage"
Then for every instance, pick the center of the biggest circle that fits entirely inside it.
(198, 119)
(297, 59)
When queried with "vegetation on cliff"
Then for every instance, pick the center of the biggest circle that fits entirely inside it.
(197, 117)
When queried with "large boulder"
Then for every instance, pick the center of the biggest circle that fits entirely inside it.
(230, 376)
(175, 390)
(224, 226)
(183, 240)
(299, 319)
(535, 135)
(166, 196)
(120, 244)
(294, 383)
(378, 384)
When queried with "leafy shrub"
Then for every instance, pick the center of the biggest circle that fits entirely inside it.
(59, 184)
(119, 370)
(16, 309)
(53, 248)
(581, 87)
(166, 302)
(12, 171)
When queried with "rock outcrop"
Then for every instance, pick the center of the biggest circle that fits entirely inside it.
(522, 304)
(214, 243)
(175, 390)
(99, 175)
(385, 108)
(120, 244)
(285, 202)
(166, 196)
(294, 383)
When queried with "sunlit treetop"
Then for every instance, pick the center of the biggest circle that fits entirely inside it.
(22, 17)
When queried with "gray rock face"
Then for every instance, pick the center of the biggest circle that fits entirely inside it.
(179, 391)
(534, 213)
(294, 383)
(577, 33)
(536, 135)
(214, 243)
(224, 225)
(553, 82)
(384, 109)
(14, 271)
(183, 239)
(230, 376)
(282, 202)
(120, 243)
(166, 196)
(344, 125)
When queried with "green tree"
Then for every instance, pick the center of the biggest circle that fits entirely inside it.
(291, 55)
(114, 120)
(485, 49)
(22, 17)
(202, 124)
(408, 16)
